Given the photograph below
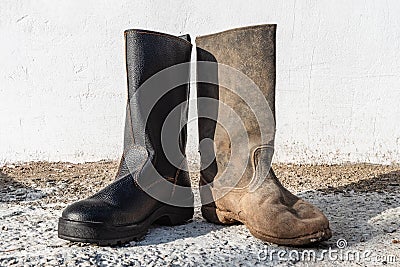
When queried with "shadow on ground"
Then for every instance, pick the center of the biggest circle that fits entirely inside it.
(164, 234)
(352, 210)
(14, 191)
(358, 211)
(387, 182)
(361, 210)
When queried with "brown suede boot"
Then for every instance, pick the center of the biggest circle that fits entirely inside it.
(236, 106)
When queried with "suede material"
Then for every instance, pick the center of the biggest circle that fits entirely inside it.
(270, 211)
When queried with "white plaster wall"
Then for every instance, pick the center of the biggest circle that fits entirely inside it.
(63, 84)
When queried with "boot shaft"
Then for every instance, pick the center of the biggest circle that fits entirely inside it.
(244, 91)
(156, 89)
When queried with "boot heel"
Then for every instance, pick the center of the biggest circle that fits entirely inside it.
(176, 216)
(217, 216)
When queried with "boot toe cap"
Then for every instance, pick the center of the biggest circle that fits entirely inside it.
(88, 210)
(299, 224)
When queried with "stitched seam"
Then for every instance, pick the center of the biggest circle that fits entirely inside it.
(130, 124)
(121, 163)
(251, 27)
(158, 34)
(140, 170)
(176, 177)
(253, 161)
(287, 238)
(154, 183)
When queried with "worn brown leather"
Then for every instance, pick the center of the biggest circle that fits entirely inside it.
(270, 212)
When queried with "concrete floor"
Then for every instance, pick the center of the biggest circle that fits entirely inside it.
(360, 200)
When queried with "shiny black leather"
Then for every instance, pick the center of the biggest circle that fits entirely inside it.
(124, 202)
(120, 203)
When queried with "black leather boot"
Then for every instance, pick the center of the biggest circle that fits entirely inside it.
(152, 184)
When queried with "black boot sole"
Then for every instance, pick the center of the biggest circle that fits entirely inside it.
(110, 235)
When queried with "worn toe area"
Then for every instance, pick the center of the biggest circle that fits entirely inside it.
(277, 219)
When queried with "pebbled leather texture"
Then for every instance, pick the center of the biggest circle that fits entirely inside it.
(270, 211)
(148, 53)
(117, 204)
(123, 201)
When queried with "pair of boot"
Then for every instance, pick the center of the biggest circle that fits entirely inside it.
(236, 109)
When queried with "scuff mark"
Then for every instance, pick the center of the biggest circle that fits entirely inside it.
(311, 66)
(21, 18)
(294, 17)
(309, 91)
(185, 21)
(79, 70)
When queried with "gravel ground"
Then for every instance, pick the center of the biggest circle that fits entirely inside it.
(360, 200)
